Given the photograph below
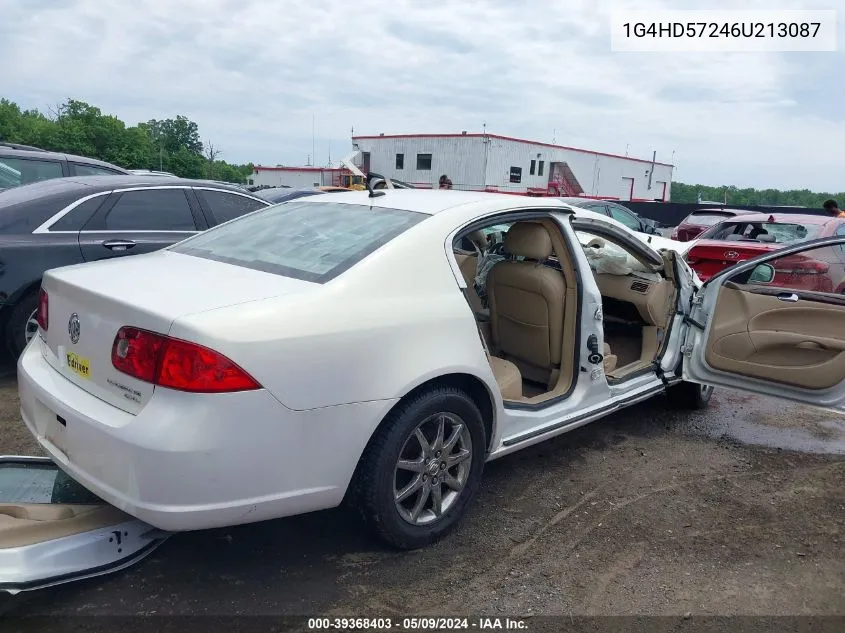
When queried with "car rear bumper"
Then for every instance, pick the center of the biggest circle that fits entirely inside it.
(187, 461)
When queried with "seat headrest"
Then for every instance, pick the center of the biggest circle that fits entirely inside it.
(530, 240)
(479, 238)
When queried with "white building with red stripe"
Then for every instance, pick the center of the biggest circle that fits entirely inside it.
(490, 162)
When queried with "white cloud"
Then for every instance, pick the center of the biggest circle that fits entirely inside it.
(253, 72)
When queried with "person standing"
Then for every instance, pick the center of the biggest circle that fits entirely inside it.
(832, 207)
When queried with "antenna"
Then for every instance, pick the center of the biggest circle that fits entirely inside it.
(313, 137)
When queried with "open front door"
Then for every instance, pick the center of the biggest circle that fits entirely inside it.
(775, 325)
(53, 531)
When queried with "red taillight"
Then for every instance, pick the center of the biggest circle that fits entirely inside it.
(176, 364)
(43, 317)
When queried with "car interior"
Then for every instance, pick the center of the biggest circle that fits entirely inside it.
(638, 303)
(524, 297)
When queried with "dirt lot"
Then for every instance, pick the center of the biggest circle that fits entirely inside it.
(738, 510)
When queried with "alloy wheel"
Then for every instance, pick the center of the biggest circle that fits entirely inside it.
(433, 467)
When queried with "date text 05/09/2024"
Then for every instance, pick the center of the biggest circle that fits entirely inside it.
(417, 624)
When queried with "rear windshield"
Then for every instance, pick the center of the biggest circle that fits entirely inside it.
(312, 241)
(707, 218)
(771, 232)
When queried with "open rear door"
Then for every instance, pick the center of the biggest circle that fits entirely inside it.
(775, 325)
(54, 531)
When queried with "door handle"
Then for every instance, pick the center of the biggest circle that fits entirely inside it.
(791, 297)
(119, 245)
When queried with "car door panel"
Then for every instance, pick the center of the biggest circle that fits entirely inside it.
(756, 334)
(774, 337)
(139, 221)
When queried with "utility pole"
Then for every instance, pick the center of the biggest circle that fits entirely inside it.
(651, 171)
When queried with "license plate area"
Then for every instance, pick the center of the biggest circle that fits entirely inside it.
(56, 432)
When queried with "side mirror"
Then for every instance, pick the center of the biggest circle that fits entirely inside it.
(762, 274)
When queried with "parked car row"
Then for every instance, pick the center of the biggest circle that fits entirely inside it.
(24, 164)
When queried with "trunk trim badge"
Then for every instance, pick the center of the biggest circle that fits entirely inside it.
(73, 328)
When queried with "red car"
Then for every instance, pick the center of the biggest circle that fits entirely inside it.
(702, 219)
(750, 235)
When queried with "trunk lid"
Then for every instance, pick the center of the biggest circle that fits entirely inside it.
(709, 257)
(89, 303)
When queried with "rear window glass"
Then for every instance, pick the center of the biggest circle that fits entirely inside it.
(772, 232)
(707, 219)
(309, 241)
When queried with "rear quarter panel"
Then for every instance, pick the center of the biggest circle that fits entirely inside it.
(387, 325)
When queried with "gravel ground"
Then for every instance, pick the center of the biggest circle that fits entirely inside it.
(738, 510)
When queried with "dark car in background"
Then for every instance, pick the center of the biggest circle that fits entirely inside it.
(67, 221)
(702, 219)
(617, 212)
(24, 164)
(752, 234)
(275, 195)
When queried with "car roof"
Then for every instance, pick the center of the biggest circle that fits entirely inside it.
(579, 201)
(722, 211)
(5, 150)
(788, 218)
(439, 201)
(96, 184)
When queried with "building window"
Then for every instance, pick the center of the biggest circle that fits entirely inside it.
(424, 162)
(532, 168)
(516, 174)
(540, 171)
(400, 161)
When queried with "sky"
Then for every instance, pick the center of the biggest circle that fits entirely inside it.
(259, 75)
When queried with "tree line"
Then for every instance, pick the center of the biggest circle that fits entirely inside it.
(76, 127)
(746, 197)
(174, 145)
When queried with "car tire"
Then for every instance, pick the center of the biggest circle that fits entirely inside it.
(380, 480)
(20, 318)
(689, 396)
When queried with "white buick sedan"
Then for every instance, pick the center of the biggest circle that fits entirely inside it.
(379, 348)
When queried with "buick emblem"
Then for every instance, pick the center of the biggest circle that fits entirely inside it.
(731, 255)
(73, 328)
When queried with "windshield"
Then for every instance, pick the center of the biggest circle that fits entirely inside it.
(771, 232)
(312, 241)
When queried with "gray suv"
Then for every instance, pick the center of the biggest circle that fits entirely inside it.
(24, 164)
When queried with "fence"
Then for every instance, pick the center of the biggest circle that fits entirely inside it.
(672, 213)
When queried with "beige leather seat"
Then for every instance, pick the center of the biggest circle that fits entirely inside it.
(526, 302)
(469, 264)
(507, 377)
(610, 359)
